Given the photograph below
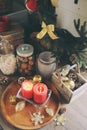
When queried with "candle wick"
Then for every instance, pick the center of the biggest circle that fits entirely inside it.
(40, 89)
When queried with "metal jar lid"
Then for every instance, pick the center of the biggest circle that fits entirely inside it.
(25, 50)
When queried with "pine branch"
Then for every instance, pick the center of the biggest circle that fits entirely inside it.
(47, 11)
(81, 29)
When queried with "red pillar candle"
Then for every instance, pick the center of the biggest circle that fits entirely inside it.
(27, 89)
(40, 92)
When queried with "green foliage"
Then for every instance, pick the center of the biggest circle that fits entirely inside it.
(82, 58)
(67, 44)
(47, 11)
(74, 45)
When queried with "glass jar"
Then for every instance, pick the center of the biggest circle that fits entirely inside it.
(46, 64)
(7, 57)
(25, 59)
(5, 46)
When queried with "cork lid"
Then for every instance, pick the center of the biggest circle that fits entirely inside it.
(25, 50)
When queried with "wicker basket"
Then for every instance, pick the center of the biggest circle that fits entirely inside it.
(5, 6)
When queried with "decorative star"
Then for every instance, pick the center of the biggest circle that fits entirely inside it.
(60, 119)
(37, 118)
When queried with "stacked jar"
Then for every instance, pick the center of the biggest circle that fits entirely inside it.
(25, 59)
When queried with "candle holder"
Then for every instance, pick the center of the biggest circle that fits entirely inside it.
(31, 101)
(46, 64)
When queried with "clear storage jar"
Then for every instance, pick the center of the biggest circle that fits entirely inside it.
(25, 59)
(7, 57)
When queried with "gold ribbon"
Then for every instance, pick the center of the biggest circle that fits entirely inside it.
(54, 3)
(47, 29)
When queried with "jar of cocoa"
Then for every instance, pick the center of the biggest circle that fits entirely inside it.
(25, 59)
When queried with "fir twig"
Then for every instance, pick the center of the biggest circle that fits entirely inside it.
(81, 29)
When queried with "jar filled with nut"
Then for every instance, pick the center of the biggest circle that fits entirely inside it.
(25, 59)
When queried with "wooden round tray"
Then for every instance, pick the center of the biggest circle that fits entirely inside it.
(22, 119)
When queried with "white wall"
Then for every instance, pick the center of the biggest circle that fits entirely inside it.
(67, 11)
